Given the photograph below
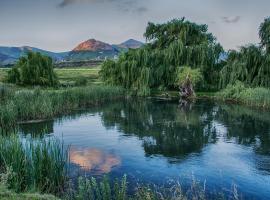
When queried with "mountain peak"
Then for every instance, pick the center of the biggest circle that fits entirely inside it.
(93, 45)
(132, 44)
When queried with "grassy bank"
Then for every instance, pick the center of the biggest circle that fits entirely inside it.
(33, 165)
(25, 105)
(239, 93)
(29, 168)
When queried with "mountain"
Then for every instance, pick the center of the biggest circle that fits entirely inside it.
(88, 50)
(93, 45)
(131, 44)
(10, 55)
(92, 49)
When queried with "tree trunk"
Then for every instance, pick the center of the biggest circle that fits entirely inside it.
(186, 89)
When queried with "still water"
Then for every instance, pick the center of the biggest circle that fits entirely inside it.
(155, 142)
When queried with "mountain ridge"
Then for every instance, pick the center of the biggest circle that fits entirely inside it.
(87, 50)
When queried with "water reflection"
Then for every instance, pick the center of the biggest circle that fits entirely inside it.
(153, 140)
(165, 129)
(94, 160)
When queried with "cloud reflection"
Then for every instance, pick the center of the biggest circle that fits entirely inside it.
(94, 160)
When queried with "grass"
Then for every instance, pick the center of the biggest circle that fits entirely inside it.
(33, 165)
(3, 73)
(68, 76)
(258, 97)
(37, 104)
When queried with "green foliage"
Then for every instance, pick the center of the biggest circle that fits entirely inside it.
(251, 96)
(35, 165)
(39, 104)
(264, 33)
(171, 45)
(250, 65)
(35, 69)
(91, 189)
(194, 74)
(81, 81)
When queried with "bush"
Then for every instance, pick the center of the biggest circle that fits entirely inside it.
(81, 81)
(194, 74)
(34, 69)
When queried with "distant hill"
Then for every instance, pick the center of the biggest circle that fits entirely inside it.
(9, 55)
(88, 50)
(131, 44)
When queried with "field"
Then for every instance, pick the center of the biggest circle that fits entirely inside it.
(3, 73)
(69, 75)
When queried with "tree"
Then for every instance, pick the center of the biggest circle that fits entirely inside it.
(170, 45)
(250, 65)
(34, 69)
(264, 33)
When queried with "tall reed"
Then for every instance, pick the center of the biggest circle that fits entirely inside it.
(38, 165)
(258, 96)
(37, 104)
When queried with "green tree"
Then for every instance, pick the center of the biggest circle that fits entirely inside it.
(264, 33)
(34, 69)
(250, 65)
(170, 45)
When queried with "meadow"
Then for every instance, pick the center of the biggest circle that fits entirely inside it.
(69, 76)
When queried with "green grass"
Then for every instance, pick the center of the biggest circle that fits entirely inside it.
(30, 165)
(70, 75)
(37, 104)
(258, 97)
(3, 74)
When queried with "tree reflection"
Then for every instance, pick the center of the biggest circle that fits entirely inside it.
(165, 128)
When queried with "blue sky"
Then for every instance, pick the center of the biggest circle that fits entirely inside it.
(59, 25)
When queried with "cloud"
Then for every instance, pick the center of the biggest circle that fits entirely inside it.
(231, 20)
(94, 160)
(123, 5)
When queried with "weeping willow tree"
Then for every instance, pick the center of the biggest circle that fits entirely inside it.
(170, 46)
(34, 69)
(250, 65)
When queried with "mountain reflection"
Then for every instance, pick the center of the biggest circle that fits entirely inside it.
(94, 160)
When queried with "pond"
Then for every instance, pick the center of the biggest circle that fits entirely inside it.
(154, 142)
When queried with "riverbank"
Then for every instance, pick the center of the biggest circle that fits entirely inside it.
(238, 94)
(39, 104)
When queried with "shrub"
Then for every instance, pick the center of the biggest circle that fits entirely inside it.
(194, 74)
(81, 81)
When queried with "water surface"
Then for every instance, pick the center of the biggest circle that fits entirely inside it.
(155, 142)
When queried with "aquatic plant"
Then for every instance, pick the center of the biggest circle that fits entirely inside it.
(39, 104)
(38, 165)
(257, 96)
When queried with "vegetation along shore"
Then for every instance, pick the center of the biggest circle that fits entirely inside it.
(177, 53)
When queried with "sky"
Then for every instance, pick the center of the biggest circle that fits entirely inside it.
(60, 25)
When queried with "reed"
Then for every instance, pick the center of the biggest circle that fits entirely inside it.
(37, 104)
(39, 165)
(258, 96)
